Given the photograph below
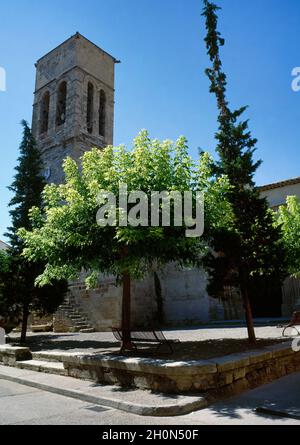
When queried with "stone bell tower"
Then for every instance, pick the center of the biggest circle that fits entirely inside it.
(73, 108)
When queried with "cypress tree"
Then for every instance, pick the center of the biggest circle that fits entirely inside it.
(253, 248)
(27, 187)
(19, 295)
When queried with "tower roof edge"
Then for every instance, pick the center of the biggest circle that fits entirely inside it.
(77, 35)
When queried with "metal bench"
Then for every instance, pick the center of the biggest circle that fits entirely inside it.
(295, 321)
(146, 336)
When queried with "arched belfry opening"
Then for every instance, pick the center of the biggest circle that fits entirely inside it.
(61, 106)
(90, 108)
(44, 117)
(102, 113)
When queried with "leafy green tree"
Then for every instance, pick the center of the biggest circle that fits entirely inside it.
(70, 240)
(19, 295)
(289, 222)
(252, 247)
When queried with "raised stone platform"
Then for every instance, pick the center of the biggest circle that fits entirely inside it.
(215, 377)
(224, 375)
(9, 355)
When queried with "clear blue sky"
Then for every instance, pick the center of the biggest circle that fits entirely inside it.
(160, 84)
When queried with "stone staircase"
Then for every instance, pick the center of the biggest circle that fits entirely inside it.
(74, 317)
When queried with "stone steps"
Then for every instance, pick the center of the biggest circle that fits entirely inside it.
(43, 366)
(79, 319)
(79, 328)
(48, 356)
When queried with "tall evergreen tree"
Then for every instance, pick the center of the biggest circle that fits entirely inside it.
(19, 295)
(27, 187)
(253, 248)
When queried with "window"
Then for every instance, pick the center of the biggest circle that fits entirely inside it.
(102, 112)
(90, 108)
(61, 104)
(44, 117)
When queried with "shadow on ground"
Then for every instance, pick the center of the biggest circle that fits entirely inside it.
(280, 398)
(185, 350)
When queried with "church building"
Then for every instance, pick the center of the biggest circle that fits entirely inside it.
(73, 111)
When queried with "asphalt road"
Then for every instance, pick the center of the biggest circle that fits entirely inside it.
(23, 405)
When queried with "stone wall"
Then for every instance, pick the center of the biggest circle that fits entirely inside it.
(178, 297)
(77, 62)
(185, 299)
(226, 375)
(102, 306)
(61, 323)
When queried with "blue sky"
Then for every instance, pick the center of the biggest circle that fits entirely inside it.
(160, 84)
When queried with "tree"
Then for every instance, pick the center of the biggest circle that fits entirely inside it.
(69, 238)
(289, 222)
(27, 187)
(8, 313)
(253, 247)
(19, 295)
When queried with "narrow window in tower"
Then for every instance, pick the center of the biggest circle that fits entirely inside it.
(44, 116)
(61, 104)
(90, 108)
(102, 112)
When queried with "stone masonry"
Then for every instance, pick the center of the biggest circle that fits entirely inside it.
(74, 85)
(73, 111)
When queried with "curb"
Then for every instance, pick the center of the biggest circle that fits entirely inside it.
(133, 408)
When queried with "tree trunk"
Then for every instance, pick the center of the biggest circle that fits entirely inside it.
(126, 314)
(247, 307)
(24, 323)
(249, 319)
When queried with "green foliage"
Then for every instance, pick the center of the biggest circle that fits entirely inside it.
(18, 293)
(289, 222)
(17, 288)
(27, 187)
(67, 237)
(251, 246)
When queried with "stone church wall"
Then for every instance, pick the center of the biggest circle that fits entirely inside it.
(183, 301)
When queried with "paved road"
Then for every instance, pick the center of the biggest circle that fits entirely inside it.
(28, 406)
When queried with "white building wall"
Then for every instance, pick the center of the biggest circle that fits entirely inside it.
(277, 196)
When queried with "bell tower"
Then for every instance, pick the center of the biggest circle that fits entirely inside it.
(73, 108)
